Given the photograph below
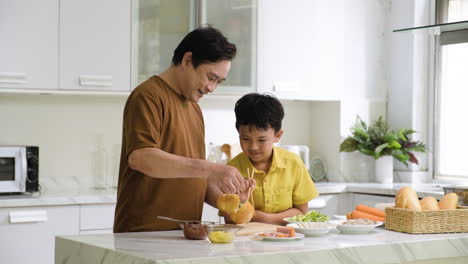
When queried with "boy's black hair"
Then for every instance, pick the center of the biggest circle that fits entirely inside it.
(260, 110)
(207, 45)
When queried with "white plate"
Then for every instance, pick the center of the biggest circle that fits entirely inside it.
(315, 229)
(354, 229)
(280, 239)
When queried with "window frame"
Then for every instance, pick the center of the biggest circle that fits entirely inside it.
(445, 38)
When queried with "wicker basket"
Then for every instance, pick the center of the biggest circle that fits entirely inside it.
(426, 222)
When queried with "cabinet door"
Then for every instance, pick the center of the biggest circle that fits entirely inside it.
(157, 29)
(210, 213)
(237, 20)
(372, 200)
(96, 218)
(28, 234)
(301, 49)
(29, 44)
(95, 45)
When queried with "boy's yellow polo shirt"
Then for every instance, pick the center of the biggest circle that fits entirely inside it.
(287, 183)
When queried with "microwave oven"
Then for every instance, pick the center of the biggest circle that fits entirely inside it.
(19, 169)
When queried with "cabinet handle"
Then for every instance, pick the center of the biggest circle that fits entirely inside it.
(95, 80)
(13, 77)
(28, 216)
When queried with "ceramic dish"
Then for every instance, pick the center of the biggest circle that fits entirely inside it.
(354, 229)
(289, 221)
(312, 228)
(280, 239)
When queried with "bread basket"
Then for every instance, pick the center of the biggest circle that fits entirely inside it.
(426, 222)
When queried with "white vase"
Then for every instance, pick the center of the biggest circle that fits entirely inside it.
(384, 169)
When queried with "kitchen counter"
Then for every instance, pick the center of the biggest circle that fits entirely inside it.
(92, 196)
(380, 246)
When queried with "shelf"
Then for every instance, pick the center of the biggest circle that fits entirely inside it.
(439, 28)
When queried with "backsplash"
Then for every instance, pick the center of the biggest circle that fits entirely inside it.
(79, 136)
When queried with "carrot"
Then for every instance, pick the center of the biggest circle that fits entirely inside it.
(370, 210)
(358, 214)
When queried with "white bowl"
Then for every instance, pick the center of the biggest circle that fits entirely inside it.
(354, 229)
(312, 228)
(289, 221)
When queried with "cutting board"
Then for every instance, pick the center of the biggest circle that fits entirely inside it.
(255, 227)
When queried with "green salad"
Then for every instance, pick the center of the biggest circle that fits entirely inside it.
(312, 216)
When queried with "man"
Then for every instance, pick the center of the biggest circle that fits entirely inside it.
(162, 166)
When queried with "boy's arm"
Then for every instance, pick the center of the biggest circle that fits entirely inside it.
(277, 218)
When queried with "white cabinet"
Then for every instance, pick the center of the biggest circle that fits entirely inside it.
(332, 204)
(96, 218)
(302, 49)
(27, 235)
(372, 200)
(29, 44)
(210, 213)
(95, 42)
(237, 20)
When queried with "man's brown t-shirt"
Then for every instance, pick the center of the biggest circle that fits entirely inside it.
(156, 116)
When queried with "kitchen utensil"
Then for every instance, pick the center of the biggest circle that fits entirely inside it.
(301, 150)
(174, 220)
(460, 189)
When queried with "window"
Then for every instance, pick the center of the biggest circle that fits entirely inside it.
(451, 95)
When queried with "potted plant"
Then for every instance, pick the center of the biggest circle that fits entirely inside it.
(381, 143)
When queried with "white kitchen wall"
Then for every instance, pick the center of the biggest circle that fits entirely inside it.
(367, 34)
(69, 128)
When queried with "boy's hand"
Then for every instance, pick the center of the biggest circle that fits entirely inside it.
(244, 195)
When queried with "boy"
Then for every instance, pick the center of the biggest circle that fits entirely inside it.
(283, 184)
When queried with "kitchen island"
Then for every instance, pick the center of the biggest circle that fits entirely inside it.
(379, 246)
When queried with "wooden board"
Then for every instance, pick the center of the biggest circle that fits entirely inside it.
(255, 227)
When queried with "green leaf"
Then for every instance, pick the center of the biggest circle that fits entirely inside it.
(393, 144)
(348, 145)
(380, 148)
(366, 151)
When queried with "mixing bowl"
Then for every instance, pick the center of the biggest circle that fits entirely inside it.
(195, 229)
(221, 233)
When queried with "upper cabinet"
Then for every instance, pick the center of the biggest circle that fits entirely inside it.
(158, 27)
(301, 49)
(95, 45)
(29, 44)
(237, 19)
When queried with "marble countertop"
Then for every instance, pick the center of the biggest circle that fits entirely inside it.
(380, 246)
(108, 196)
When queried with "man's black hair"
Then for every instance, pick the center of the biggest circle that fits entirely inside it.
(260, 110)
(207, 45)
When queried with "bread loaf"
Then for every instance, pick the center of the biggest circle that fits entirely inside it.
(449, 201)
(407, 198)
(429, 203)
(228, 203)
(244, 214)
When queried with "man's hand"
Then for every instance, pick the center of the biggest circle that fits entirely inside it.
(228, 179)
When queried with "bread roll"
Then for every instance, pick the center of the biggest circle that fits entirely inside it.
(449, 201)
(228, 203)
(407, 198)
(429, 203)
(244, 214)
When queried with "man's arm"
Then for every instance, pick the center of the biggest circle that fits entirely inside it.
(157, 163)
